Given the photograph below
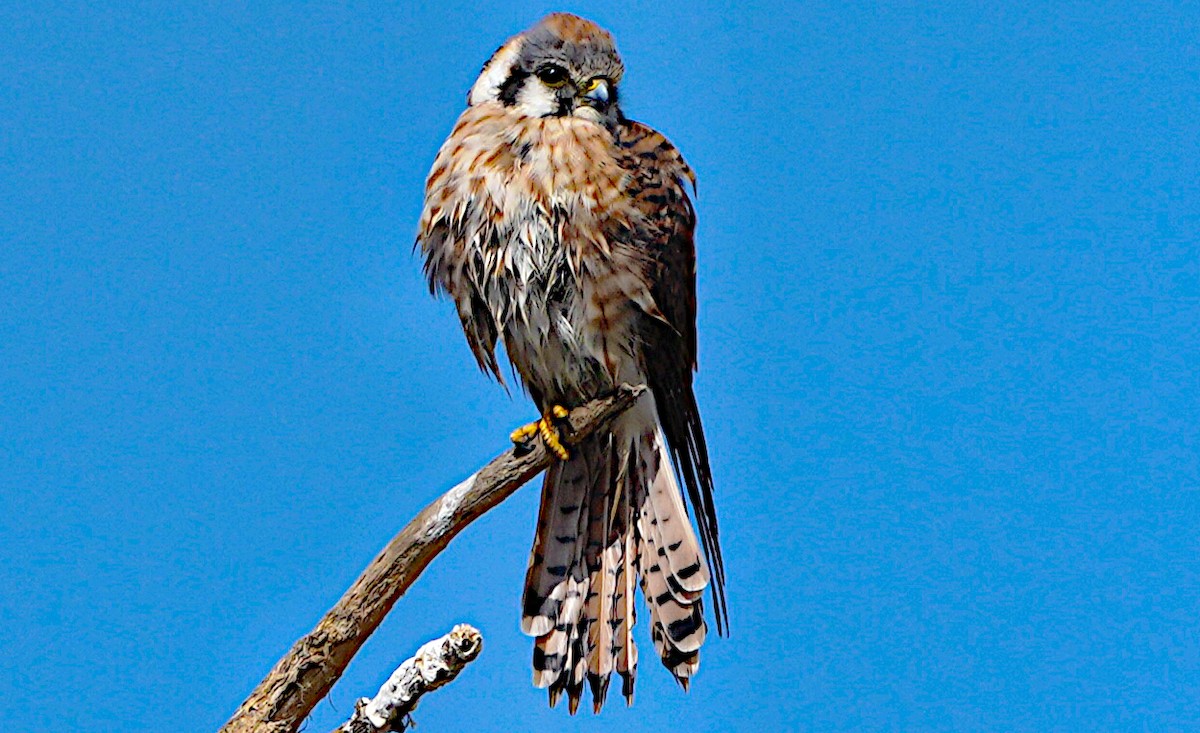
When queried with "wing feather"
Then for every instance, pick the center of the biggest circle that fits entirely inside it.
(659, 177)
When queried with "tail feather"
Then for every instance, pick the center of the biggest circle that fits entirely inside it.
(601, 561)
(557, 655)
(572, 676)
(612, 517)
(555, 582)
(555, 553)
(677, 545)
(625, 654)
(602, 631)
(584, 656)
(681, 623)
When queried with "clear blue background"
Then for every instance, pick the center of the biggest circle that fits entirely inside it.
(949, 290)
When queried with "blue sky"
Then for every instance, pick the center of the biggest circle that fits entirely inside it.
(949, 305)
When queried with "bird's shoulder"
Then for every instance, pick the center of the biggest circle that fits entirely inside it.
(651, 156)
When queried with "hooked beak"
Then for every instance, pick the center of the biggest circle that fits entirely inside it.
(596, 92)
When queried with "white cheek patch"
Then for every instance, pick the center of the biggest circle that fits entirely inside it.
(536, 99)
(487, 86)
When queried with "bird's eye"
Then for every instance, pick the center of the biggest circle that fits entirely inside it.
(552, 76)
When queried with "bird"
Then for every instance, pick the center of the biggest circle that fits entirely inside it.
(565, 230)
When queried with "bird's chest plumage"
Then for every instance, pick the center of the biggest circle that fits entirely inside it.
(536, 229)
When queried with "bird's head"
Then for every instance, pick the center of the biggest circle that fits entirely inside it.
(562, 66)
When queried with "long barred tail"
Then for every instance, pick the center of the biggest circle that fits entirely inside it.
(612, 517)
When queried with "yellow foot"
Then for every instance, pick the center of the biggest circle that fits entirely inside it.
(547, 429)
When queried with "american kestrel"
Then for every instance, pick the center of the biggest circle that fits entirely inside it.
(562, 227)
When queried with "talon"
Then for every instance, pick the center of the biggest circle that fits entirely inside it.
(550, 435)
(546, 428)
(522, 434)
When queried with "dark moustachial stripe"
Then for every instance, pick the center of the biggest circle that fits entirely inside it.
(512, 86)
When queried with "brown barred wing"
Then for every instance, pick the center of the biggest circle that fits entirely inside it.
(659, 176)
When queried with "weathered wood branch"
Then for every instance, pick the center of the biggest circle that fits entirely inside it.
(306, 673)
(435, 664)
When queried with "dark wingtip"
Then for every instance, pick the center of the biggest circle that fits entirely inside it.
(679, 416)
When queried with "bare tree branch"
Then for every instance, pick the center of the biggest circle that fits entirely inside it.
(435, 664)
(306, 673)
